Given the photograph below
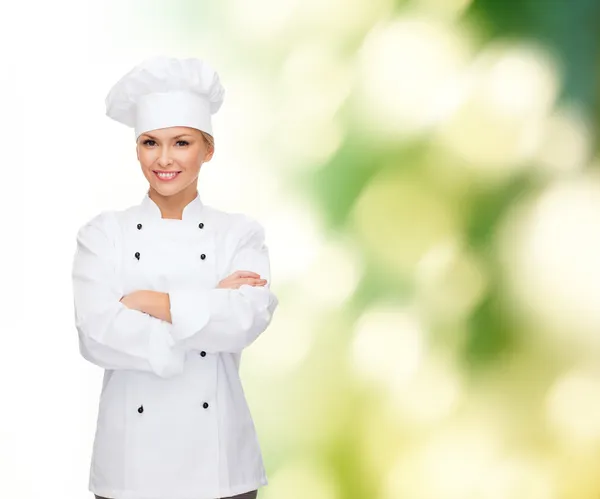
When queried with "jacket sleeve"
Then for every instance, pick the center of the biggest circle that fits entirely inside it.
(111, 335)
(227, 320)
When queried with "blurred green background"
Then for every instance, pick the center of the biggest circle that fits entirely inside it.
(427, 173)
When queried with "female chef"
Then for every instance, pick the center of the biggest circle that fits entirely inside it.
(167, 294)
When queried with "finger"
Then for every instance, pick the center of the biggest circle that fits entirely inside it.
(246, 273)
(250, 281)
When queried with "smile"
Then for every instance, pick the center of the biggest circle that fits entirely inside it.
(166, 176)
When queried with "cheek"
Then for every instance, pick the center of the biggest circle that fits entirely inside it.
(146, 158)
(190, 161)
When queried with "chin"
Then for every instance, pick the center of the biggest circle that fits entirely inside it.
(168, 190)
(164, 188)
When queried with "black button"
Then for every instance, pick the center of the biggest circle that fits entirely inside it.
(201, 225)
(137, 255)
(141, 409)
(203, 354)
(139, 226)
(205, 405)
(203, 256)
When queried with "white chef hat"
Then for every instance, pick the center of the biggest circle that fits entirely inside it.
(164, 91)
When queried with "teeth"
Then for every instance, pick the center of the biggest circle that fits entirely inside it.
(166, 175)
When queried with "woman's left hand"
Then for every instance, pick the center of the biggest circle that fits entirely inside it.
(133, 300)
(150, 302)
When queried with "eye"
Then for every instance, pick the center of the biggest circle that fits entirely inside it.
(147, 142)
(183, 143)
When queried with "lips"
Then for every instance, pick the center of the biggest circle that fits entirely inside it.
(165, 176)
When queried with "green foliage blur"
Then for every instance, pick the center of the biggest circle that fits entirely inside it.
(427, 174)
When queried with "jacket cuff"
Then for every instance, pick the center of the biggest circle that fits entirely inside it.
(190, 311)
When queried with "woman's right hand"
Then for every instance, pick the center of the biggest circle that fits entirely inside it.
(240, 277)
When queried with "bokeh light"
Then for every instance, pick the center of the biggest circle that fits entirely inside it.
(500, 108)
(550, 246)
(406, 65)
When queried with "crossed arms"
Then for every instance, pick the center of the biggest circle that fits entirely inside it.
(151, 331)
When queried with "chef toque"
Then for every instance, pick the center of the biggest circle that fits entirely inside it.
(162, 92)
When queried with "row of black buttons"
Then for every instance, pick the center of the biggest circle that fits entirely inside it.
(137, 255)
(141, 407)
(200, 226)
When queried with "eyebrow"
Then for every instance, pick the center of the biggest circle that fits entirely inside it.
(177, 137)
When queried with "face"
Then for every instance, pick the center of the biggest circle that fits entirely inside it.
(178, 152)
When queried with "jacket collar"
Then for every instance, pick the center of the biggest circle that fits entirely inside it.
(192, 211)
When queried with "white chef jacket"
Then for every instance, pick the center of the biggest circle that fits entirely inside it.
(173, 421)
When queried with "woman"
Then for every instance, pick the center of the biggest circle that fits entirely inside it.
(167, 294)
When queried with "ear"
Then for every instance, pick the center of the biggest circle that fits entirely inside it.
(209, 155)
(137, 151)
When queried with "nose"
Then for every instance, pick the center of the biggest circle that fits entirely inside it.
(164, 159)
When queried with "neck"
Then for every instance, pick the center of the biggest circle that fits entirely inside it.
(172, 206)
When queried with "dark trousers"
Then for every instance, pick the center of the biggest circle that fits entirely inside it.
(246, 495)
